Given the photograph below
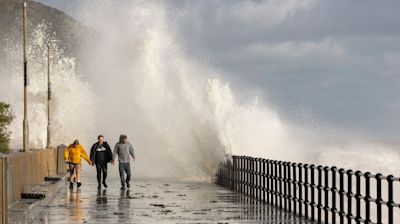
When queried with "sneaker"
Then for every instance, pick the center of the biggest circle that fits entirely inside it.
(99, 186)
(104, 183)
(128, 185)
(79, 184)
(123, 188)
(71, 185)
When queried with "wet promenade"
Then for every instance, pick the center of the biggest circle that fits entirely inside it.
(157, 202)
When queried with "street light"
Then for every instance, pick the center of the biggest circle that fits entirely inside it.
(48, 97)
(25, 122)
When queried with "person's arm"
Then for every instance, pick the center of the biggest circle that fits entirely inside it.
(108, 152)
(131, 151)
(85, 156)
(115, 152)
(66, 154)
(92, 152)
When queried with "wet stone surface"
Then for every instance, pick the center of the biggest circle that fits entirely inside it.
(157, 202)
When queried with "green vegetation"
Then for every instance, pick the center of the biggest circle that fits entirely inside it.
(6, 117)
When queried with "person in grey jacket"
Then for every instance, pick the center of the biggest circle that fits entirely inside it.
(124, 150)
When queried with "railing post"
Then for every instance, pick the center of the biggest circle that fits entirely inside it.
(257, 174)
(241, 174)
(378, 198)
(223, 174)
(271, 182)
(285, 181)
(367, 197)
(252, 177)
(237, 171)
(326, 194)
(234, 172)
(275, 175)
(245, 175)
(319, 199)
(237, 175)
(294, 165)
(289, 166)
(280, 192)
(259, 178)
(358, 196)
(268, 182)
(219, 174)
(248, 175)
(264, 179)
(341, 196)
(349, 195)
(313, 204)
(300, 184)
(390, 201)
(334, 191)
(306, 187)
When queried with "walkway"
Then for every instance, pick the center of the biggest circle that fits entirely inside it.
(158, 202)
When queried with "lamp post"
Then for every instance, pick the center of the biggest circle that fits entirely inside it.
(48, 98)
(25, 122)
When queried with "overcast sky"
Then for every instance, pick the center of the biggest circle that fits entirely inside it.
(338, 60)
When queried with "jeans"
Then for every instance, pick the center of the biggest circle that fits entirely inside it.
(124, 168)
(101, 168)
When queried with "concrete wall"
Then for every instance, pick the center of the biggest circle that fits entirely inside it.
(25, 170)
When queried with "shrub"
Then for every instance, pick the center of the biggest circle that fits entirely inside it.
(6, 117)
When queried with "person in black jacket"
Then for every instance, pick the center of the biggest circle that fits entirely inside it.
(101, 154)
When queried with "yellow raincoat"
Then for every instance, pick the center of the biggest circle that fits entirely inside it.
(75, 153)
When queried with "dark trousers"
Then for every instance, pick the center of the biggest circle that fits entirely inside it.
(101, 168)
(124, 168)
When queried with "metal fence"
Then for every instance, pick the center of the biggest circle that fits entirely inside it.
(319, 193)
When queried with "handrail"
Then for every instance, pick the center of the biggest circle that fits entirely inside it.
(319, 193)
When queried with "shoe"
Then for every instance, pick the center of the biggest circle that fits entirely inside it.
(79, 184)
(71, 185)
(104, 183)
(99, 186)
(123, 188)
(128, 185)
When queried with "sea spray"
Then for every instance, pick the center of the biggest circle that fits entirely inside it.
(72, 107)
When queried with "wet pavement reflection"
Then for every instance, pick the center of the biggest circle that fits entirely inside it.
(158, 202)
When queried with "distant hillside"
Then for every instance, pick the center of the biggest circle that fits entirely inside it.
(68, 31)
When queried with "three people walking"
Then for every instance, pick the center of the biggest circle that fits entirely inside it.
(100, 156)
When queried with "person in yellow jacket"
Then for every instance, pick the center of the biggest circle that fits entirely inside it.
(73, 156)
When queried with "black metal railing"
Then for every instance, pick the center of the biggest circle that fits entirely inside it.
(321, 194)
